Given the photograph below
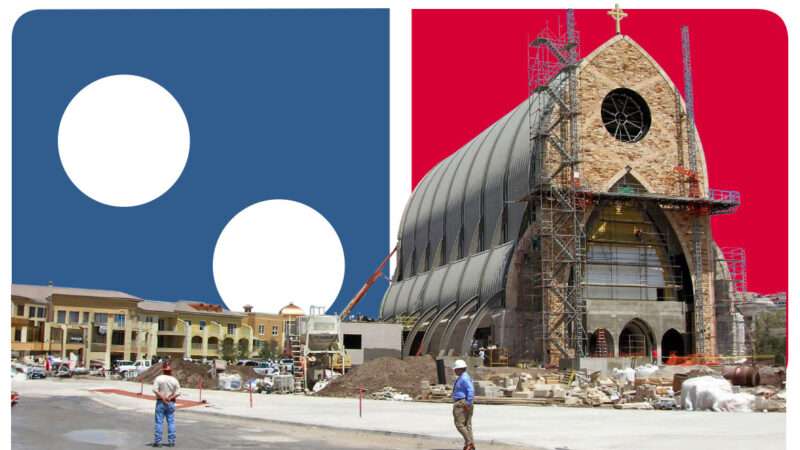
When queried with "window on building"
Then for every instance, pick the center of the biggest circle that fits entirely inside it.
(162, 325)
(231, 328)
(118, 337)
(74, 316)
(352, 341)
(85, 317)
(40, 312)
(148, 319)
(21, 310)
(261, 330)
(202, 325)
(274, 330)
(17, 335)
(61, 317)
(119, 320)
(31, 311)
(629, 257)
(101, 318)
(625, 115)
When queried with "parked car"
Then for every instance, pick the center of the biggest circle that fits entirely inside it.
(62, 370)
(288, 364)
(120, 363)
(36, 373)
(133, 369)
(265, 368)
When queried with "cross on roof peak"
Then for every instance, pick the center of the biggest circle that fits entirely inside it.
(618, 14)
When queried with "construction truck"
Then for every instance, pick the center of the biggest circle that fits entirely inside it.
(317, 346)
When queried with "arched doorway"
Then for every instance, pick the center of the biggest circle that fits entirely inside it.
(672, 344)
(213, 344)
(197, 345)
(636, 339)
(601, 344)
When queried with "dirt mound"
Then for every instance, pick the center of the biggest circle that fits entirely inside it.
(191, 374)
(403, 375)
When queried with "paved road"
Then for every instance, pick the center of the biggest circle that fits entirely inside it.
(67, 423)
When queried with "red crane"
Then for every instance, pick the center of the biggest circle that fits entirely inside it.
(366, 286)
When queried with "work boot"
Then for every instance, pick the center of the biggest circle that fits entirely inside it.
(156, 444)
(171, 444)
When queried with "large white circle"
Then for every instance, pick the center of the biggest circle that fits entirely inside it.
(276, 252)
(123, 140)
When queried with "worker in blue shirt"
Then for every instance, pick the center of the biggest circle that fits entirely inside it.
(463, 396)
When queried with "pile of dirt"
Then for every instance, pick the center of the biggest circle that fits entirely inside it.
(403, 375)
(192, 374)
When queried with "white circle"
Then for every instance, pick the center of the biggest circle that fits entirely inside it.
(277, 252)
(123, 140)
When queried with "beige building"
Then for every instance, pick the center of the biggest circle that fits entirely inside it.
(268, 329)
(106, 326)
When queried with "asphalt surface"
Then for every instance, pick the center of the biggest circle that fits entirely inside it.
(66, 423)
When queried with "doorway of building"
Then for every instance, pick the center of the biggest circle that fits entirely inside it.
(635, 339)
(672, 344)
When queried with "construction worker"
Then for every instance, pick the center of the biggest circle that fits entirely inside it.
(167, 390)
(463, 396)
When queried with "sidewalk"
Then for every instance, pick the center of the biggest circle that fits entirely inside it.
(533, 426)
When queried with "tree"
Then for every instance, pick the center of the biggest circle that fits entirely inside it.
(269, 350)
(243, 350)
(228, 351)
(769, 336)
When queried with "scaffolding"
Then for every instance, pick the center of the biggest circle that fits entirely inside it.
(735, 261)
(630, 258)
(553, 128)
(693, 180)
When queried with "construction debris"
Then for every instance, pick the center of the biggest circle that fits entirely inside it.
(194, 375)
(389, 393)
(403, 375)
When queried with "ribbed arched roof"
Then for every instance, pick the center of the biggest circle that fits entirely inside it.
(454, 242)
(457, 209)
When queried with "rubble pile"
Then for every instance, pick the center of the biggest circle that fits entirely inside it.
(402, 375)
(193, 375)
(389, 393)
(645, 387)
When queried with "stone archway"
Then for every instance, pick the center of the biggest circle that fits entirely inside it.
(636, 339)
(601, 344)
(672, 343)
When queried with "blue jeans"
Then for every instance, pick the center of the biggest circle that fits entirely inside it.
(165, 410)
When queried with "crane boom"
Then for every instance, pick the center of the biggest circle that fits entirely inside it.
(368, 284)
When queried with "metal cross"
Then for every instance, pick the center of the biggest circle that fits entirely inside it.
(618, 14)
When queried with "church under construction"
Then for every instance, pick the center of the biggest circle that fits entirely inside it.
(577, 225)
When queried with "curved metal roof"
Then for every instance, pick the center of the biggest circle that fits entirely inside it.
(457, 209)
(480, 275)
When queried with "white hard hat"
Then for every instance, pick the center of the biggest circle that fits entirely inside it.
(460, 364)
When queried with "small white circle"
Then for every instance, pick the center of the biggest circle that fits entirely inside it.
(277, 252)
(123, 140)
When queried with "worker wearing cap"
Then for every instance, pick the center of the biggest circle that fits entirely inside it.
(463, 396)
(167, 390)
